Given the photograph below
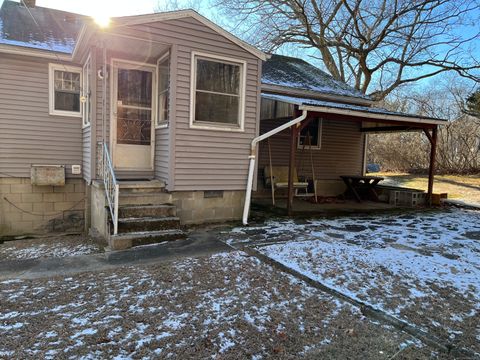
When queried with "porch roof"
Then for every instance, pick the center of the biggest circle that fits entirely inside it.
(372, 116)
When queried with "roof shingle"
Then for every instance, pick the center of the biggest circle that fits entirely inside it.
(38, 27)
(297, 74)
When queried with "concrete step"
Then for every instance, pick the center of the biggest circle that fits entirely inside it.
(131, 211)
(130, 225)
(141, 184)
(127, 240)
(139, 198)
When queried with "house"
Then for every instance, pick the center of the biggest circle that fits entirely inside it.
(153, 121)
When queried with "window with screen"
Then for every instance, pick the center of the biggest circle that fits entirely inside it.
(163, 89)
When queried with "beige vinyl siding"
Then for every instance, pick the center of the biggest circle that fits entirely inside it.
(341, 152)
(87, 153)
(192, 159)
(28, 134)
(161, 161)
(206, 159)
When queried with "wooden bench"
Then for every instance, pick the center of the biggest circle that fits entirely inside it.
(278, 179)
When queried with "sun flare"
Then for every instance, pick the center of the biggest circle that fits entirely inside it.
(102, 20)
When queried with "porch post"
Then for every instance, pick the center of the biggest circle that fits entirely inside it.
(431, 170)
(291, 167)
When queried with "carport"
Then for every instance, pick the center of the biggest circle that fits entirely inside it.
(369, 119)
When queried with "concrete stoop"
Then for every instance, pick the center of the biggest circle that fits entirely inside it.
(146, 216)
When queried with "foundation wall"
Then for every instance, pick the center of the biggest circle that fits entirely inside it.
(324, 188)
(98, 211)
(30, 209)
(196, 207)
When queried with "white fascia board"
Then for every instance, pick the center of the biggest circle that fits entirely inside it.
(370, 115)
(19, 50)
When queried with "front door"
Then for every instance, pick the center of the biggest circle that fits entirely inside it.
(132, 120)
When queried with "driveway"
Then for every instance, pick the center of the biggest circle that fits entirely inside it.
(420, 267)
(223, 306)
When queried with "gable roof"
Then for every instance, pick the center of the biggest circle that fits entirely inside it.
(289, 73)
(179, 14)
(39, 28)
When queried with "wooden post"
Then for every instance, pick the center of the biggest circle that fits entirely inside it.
(291, 168)
(431, 170)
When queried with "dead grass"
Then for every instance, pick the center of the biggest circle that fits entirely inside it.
(459, 187)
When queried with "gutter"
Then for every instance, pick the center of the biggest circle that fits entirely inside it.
(252, 158)
(20, 50)
(374, 116)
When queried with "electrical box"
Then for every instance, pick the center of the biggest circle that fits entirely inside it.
(76, 169)
(43, 175)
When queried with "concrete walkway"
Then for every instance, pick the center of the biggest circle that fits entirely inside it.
(196, 244)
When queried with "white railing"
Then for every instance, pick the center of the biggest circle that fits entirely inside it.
(111, 186)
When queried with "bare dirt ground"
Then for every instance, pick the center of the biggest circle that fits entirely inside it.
(225, 306)
(458, 187)
(420, 267)
(52, 245)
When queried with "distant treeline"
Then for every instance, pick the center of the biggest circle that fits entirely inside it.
(458, 149)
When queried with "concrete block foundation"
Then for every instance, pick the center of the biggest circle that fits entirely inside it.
(32, 209)
(193, 207)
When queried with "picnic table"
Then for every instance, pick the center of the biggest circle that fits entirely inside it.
(355, 183)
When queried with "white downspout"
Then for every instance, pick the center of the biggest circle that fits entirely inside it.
(251, 168)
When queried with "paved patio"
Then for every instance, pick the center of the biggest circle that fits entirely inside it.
(326, 206)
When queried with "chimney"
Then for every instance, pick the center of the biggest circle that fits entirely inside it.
(29, 3)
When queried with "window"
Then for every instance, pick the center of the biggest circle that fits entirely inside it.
(163, 65)
(86, 92)
(64, 90)
(217, 93)
(311, 135)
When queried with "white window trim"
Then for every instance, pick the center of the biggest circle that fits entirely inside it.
(164, 123)
(51, 70)
(313, 147)
(83, 92)
(243, 80)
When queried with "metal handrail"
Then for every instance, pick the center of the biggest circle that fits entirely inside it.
(111, 186)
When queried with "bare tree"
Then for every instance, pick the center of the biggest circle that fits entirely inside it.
(458, 140)
(376, 45)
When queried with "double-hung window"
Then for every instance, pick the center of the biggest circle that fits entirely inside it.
(65, 82)
(218, 93)
(163, 72)
(86, 91)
